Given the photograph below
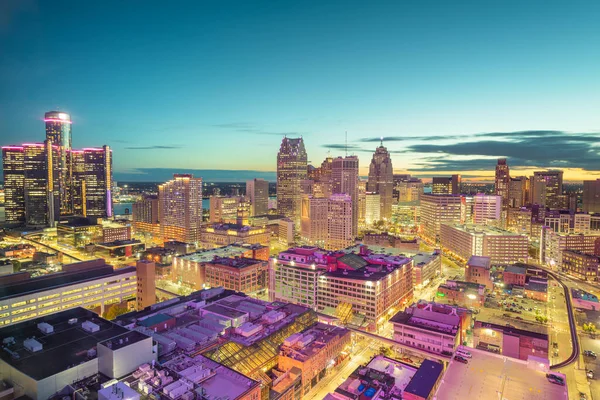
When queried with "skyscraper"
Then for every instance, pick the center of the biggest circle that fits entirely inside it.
(40, 183)
(180, 208)
(547, 188)
(381, 180)
(14, 187)
(313, 227)
(257, 190)
(339, 222)
(445, 184)
(92, 181)
(591, 196)
(58, 131)
(518, 191)
(291, 171)
(502, 181)
(344, 180)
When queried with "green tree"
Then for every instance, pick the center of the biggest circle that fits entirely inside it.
(114, 311)
(589, 328)
(385, 351)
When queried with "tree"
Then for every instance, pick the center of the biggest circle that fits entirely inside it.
(589, 328)
(385, 351)
(541, 319)
(114, 311)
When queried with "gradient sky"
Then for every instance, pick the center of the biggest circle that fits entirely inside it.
(451, 85)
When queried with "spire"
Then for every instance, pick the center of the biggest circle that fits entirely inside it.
(381, 143)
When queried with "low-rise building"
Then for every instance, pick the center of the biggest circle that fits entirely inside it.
(246, 275)
(78, 232)
(217, 235)
(536, 288)
(583, 266)
(509, 341)
(113, 231)
(464, 294)
(477, 270)
(552, 245)
(515, 275)
(387, 240)
(426, 267)
(313, 352)
(430, 329)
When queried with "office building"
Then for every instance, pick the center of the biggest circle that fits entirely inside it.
(487, 210)
(291, 171)
(381, 180)
(286, 231)
(362, 203)
(92, 182)
(461, 293)
(466, 240)
(547, 189)
(426, 267)
(257, 191)
(339, 222)
(146, 283)
(446, 184)
(477, 270)
(502, 182)
(225, 209)
(519, 220)
(409, 190)
(58, 132)
(553, 244)
(218, 235)
(509, 341)
(583, 266)
(518, 192)
(180, 208)
(14, 183)
(313, 224)
(431, 328)
(145, 216)
(313, 351)
(246, 275)
(437, 210)
(46, 355)
(372, 208)
(89, 284)
(591, 196)
(344, 180)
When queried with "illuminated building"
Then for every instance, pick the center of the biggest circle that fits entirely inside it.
(114, 231)
(437, 210)
(547, 189)
(40, 179)
(89, 284)
(466, 240)
(96, 181)
(180, 208)
(78, 232)
(224, 209)
(246, 275)
(58, 131)
(286, 231)
(217, 235)
(553, 244)
(518, 191)
(381, 180)
(445, 184)
(465, 294)
(502, 182)
(487, 210)
(339, 222)
(257, 190)
(477, 271)
(591, 196)
(291, 171)
(145, 216)
(583, 266)
(409, 190)
(426, 267)
(510, 341)
(14, 185)
(146, 283)
(344, 180)
(372, 208)
(362, 202)
(519, 220)
(365, 287)
(313, 223)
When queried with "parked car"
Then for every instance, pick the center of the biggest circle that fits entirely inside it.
(519, 318)
(461, 359)
(589, 353)
(590, 374)
(557, 380)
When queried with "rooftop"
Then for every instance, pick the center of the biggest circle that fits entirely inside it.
(425, 379)
(509, 330)
(118, 243)
(490, 376)
(483, 230)
(516, 269)
(209, 255)
(420, 259)
(123, 340)
(224, 311)
(429, 318)
(480, 261)
(320, 333)
(235, 262)
(66, 347)
(155, 319)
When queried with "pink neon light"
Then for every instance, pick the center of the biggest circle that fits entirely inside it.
(76, 151)
(34, 144)
(92, 149)
(13, 147)
(57, 120)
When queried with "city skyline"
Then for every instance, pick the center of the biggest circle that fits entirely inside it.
(450, 89)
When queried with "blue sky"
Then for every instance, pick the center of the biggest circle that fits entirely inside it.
(220, 82)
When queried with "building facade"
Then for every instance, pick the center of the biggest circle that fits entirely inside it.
(591, 196)
(583, 266)
(339, 222)
(381, 180)
(291, 171)
(257, 190)
(344, 180)
(180, 208)
(437, 210)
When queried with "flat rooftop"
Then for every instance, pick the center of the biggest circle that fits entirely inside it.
(322, 334)
(66, 347)
(427, 319)
(224, 311)
(209, 255)
(420, 259)
(483, 229)
(402, 373)
(235, 262)
(490, 376)
(516, 269)
(59, 279)
(480, 261)
(125, 339)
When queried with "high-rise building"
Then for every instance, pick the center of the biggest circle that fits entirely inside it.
(344, 180)
(40, 184)
(291, 171)
(257, 190)
(145, 216)
(445, 184)
(362, 202)
(409, 190)
(547, 188)
(591, 196)
(58, 131)
(180, 208)
(372, 208)
(224, 209)
(439, 209)
(518, 192)
(92, 181)
(14, 187)
(313, 226)
(381, 180)
(502, 182)
(487, 210)
(146, 283)
(339, 222)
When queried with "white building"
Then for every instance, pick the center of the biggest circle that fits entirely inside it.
(487, 210)
(339, 222)
(372, 208)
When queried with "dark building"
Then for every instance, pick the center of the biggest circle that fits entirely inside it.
(58, 131)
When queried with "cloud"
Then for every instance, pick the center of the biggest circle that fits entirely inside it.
(156, 147)
(404, 138)
(247, 127)
(341, 146)
(544, 149)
